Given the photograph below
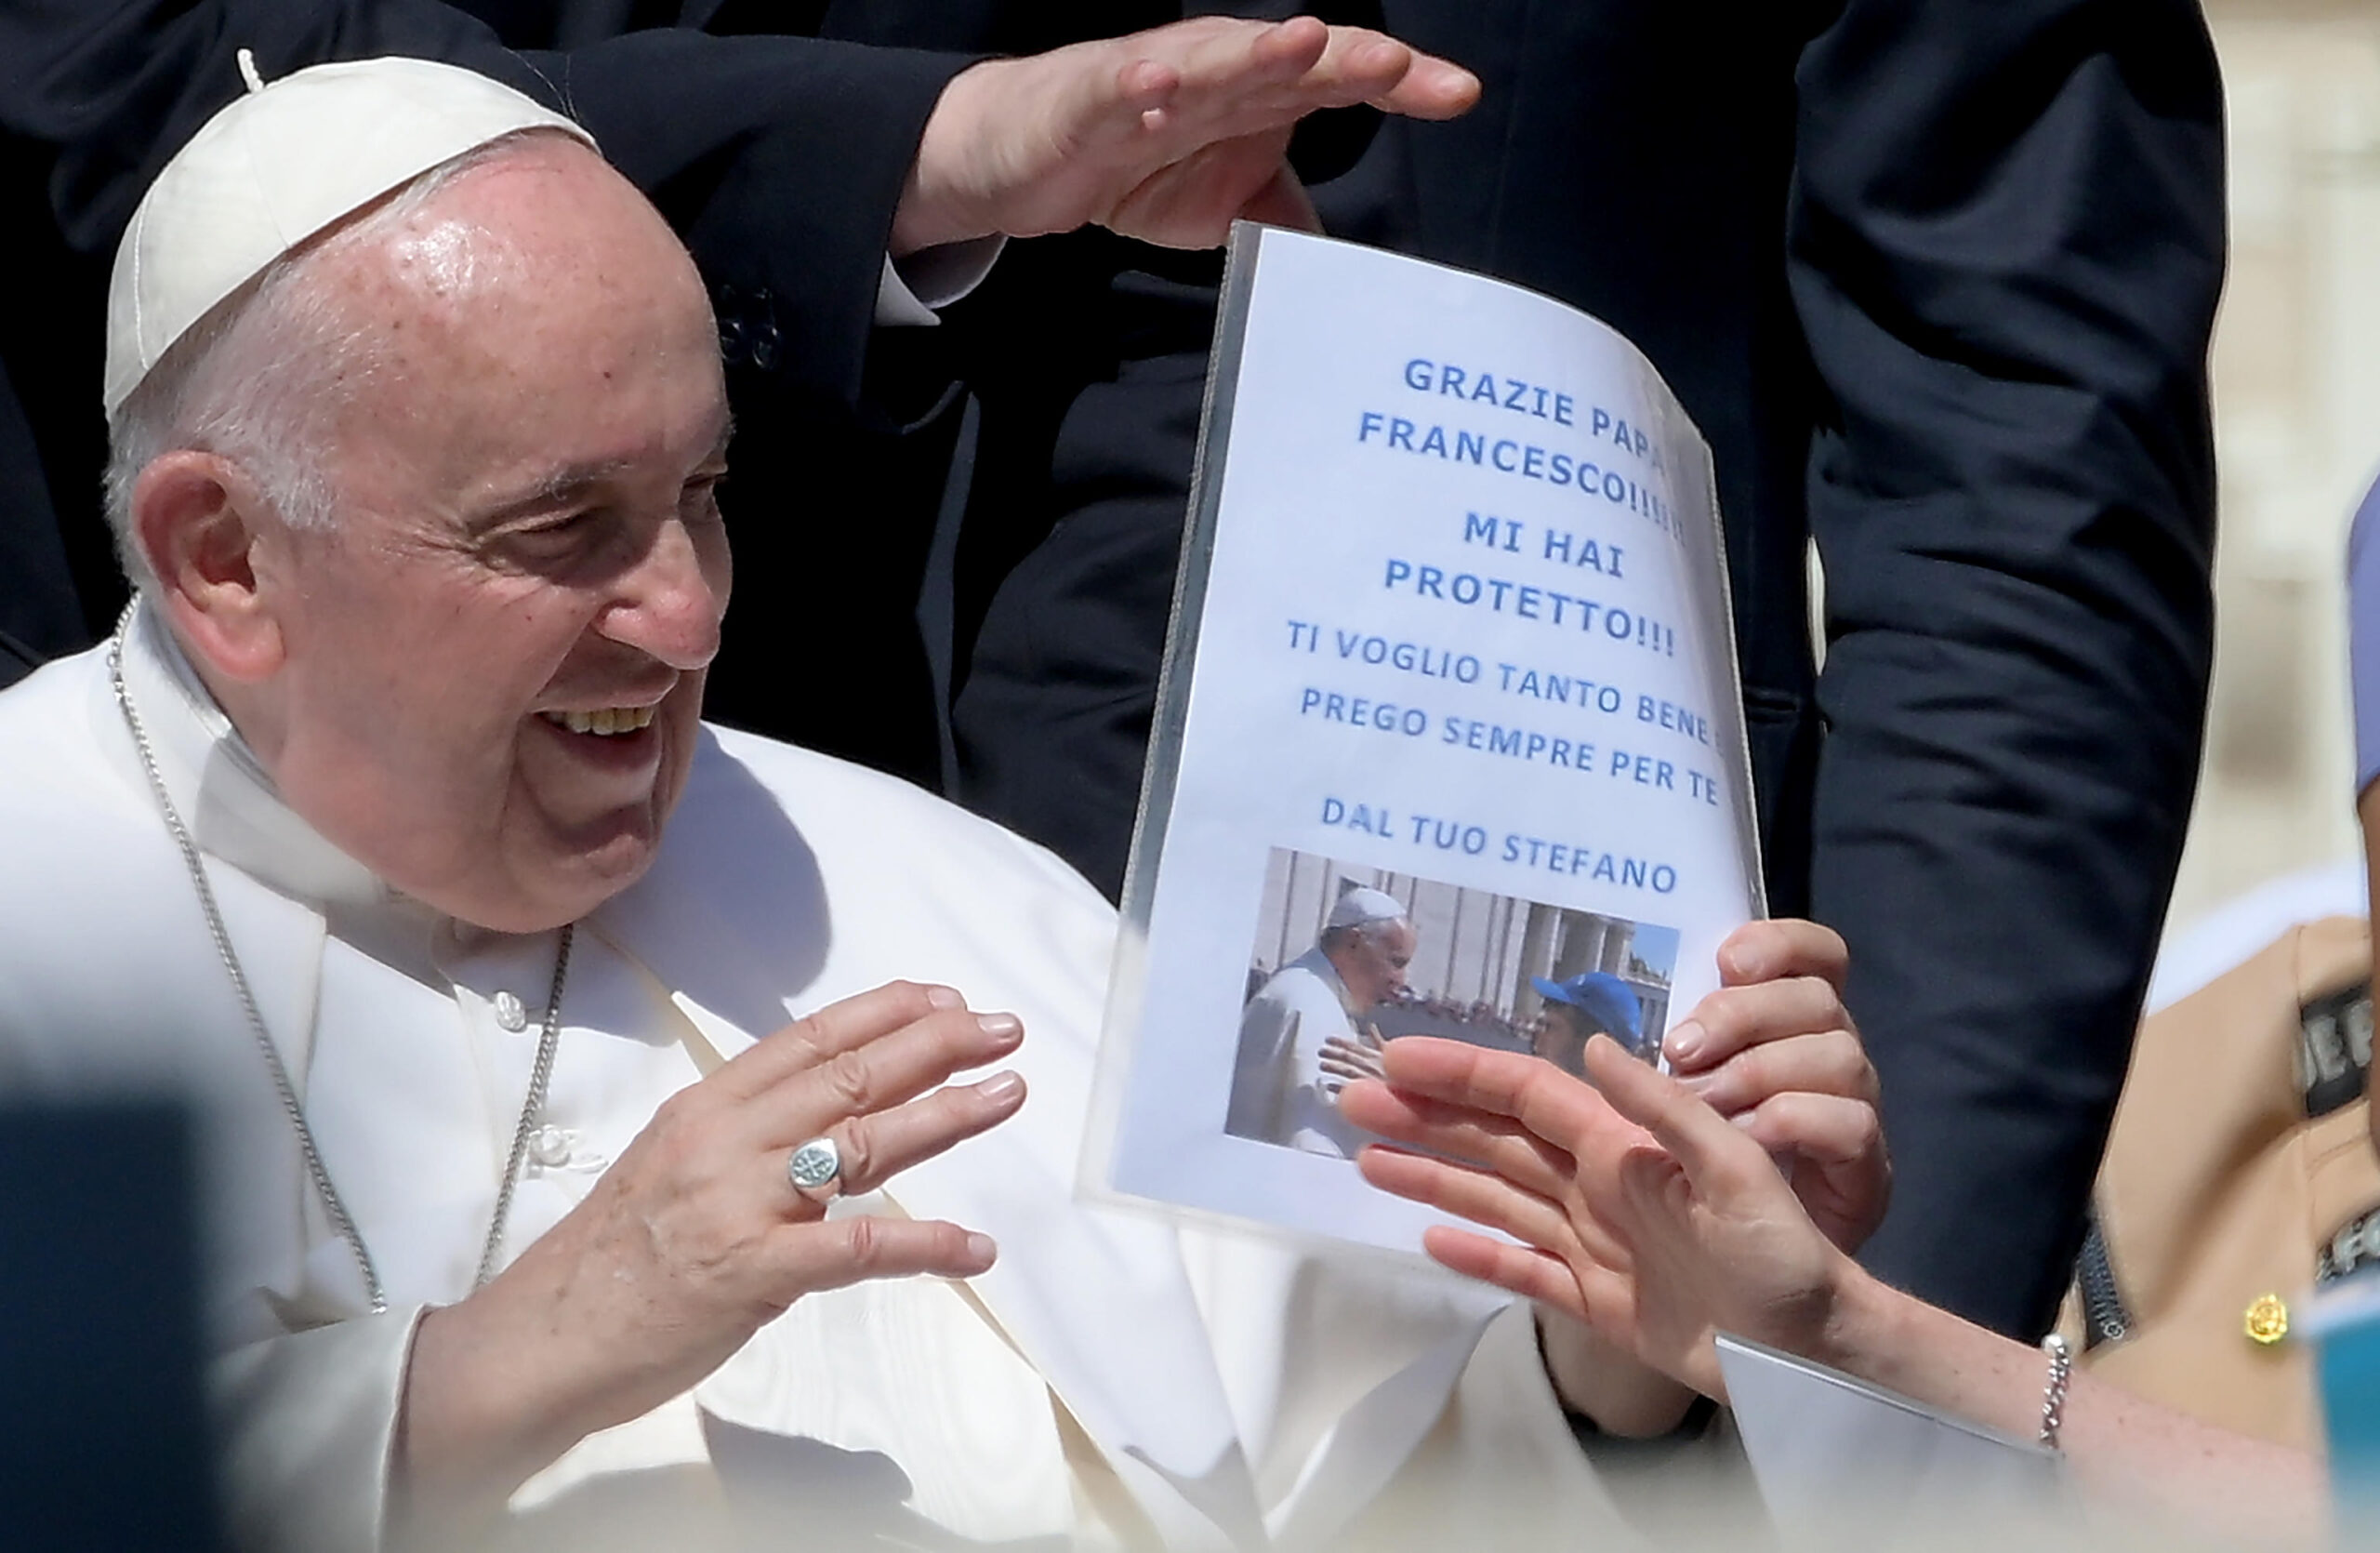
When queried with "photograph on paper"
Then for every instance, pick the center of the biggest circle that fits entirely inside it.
(1349, 957)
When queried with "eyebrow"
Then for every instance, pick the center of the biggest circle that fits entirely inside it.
(571, 480)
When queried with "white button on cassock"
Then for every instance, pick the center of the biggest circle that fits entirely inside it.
(509, 1014)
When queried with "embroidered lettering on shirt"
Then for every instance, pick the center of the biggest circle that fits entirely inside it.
(2356, 1245)
(2334, 1048)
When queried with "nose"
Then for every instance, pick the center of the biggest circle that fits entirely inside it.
(670, 603)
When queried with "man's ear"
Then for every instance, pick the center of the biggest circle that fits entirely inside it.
(201, 523)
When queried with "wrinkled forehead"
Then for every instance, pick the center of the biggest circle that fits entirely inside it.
(534, 305)
(538, 223)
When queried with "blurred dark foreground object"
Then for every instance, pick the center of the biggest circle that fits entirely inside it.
(102, 1443)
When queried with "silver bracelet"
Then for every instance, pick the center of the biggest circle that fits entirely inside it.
(2061, 1369)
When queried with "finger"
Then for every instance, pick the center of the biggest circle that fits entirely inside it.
(1364, 66)
(1527, 1271)
(831, 1254)
(1235, 82)
(1476, 1195)
(1733, 1018)
(1357, 65)
(839, 1026)
(1371, 67)
(1784, 947)
(1559, 1108)
(1432, 88)
(1528, 1163)
(1224, 65)
(875, 1149)
(1490, 1201)
(1831, 1062)
(1584, 1290)
(1718, 1159)
(886, 1072)
(1647, 1187)
(1498, 1143)
(1287, 50)
(1828, 1129)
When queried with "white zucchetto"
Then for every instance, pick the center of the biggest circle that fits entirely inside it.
(1361, 907)
(278, 166)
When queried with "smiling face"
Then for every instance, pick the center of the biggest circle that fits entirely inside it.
(483, 677)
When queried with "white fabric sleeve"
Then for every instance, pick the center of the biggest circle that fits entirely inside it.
(1261, 1073)
(308, 1422)
(917, 283)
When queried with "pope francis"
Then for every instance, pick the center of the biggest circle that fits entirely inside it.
(386, 832)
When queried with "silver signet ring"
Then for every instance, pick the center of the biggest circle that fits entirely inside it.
(813, 1167)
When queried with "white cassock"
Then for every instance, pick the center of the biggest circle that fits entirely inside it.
(1278, 1091)
(1115, 1380)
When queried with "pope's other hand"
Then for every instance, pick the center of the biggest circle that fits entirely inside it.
(1166, 135)
(696, 1237)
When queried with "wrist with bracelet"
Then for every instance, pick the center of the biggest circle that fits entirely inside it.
(2061, 1371)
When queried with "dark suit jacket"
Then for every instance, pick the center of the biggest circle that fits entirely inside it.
(1935, 278)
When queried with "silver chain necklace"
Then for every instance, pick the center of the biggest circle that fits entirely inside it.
(334, 1206)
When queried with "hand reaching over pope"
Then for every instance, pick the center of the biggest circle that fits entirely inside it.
(698, 1236)
(1166, 135)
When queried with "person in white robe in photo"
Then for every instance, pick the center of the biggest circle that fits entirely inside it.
(393, 789)
(1304, 1034)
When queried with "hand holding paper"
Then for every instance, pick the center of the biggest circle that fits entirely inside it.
(1774, 1052)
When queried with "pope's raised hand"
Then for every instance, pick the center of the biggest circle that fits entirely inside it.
(1166, 135)
(697, 1236)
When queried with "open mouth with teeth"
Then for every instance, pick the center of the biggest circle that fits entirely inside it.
(605, 722)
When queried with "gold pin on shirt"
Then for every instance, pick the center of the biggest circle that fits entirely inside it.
(2267, 1321)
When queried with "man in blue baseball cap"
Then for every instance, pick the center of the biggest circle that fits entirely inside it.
(1576, 1009)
